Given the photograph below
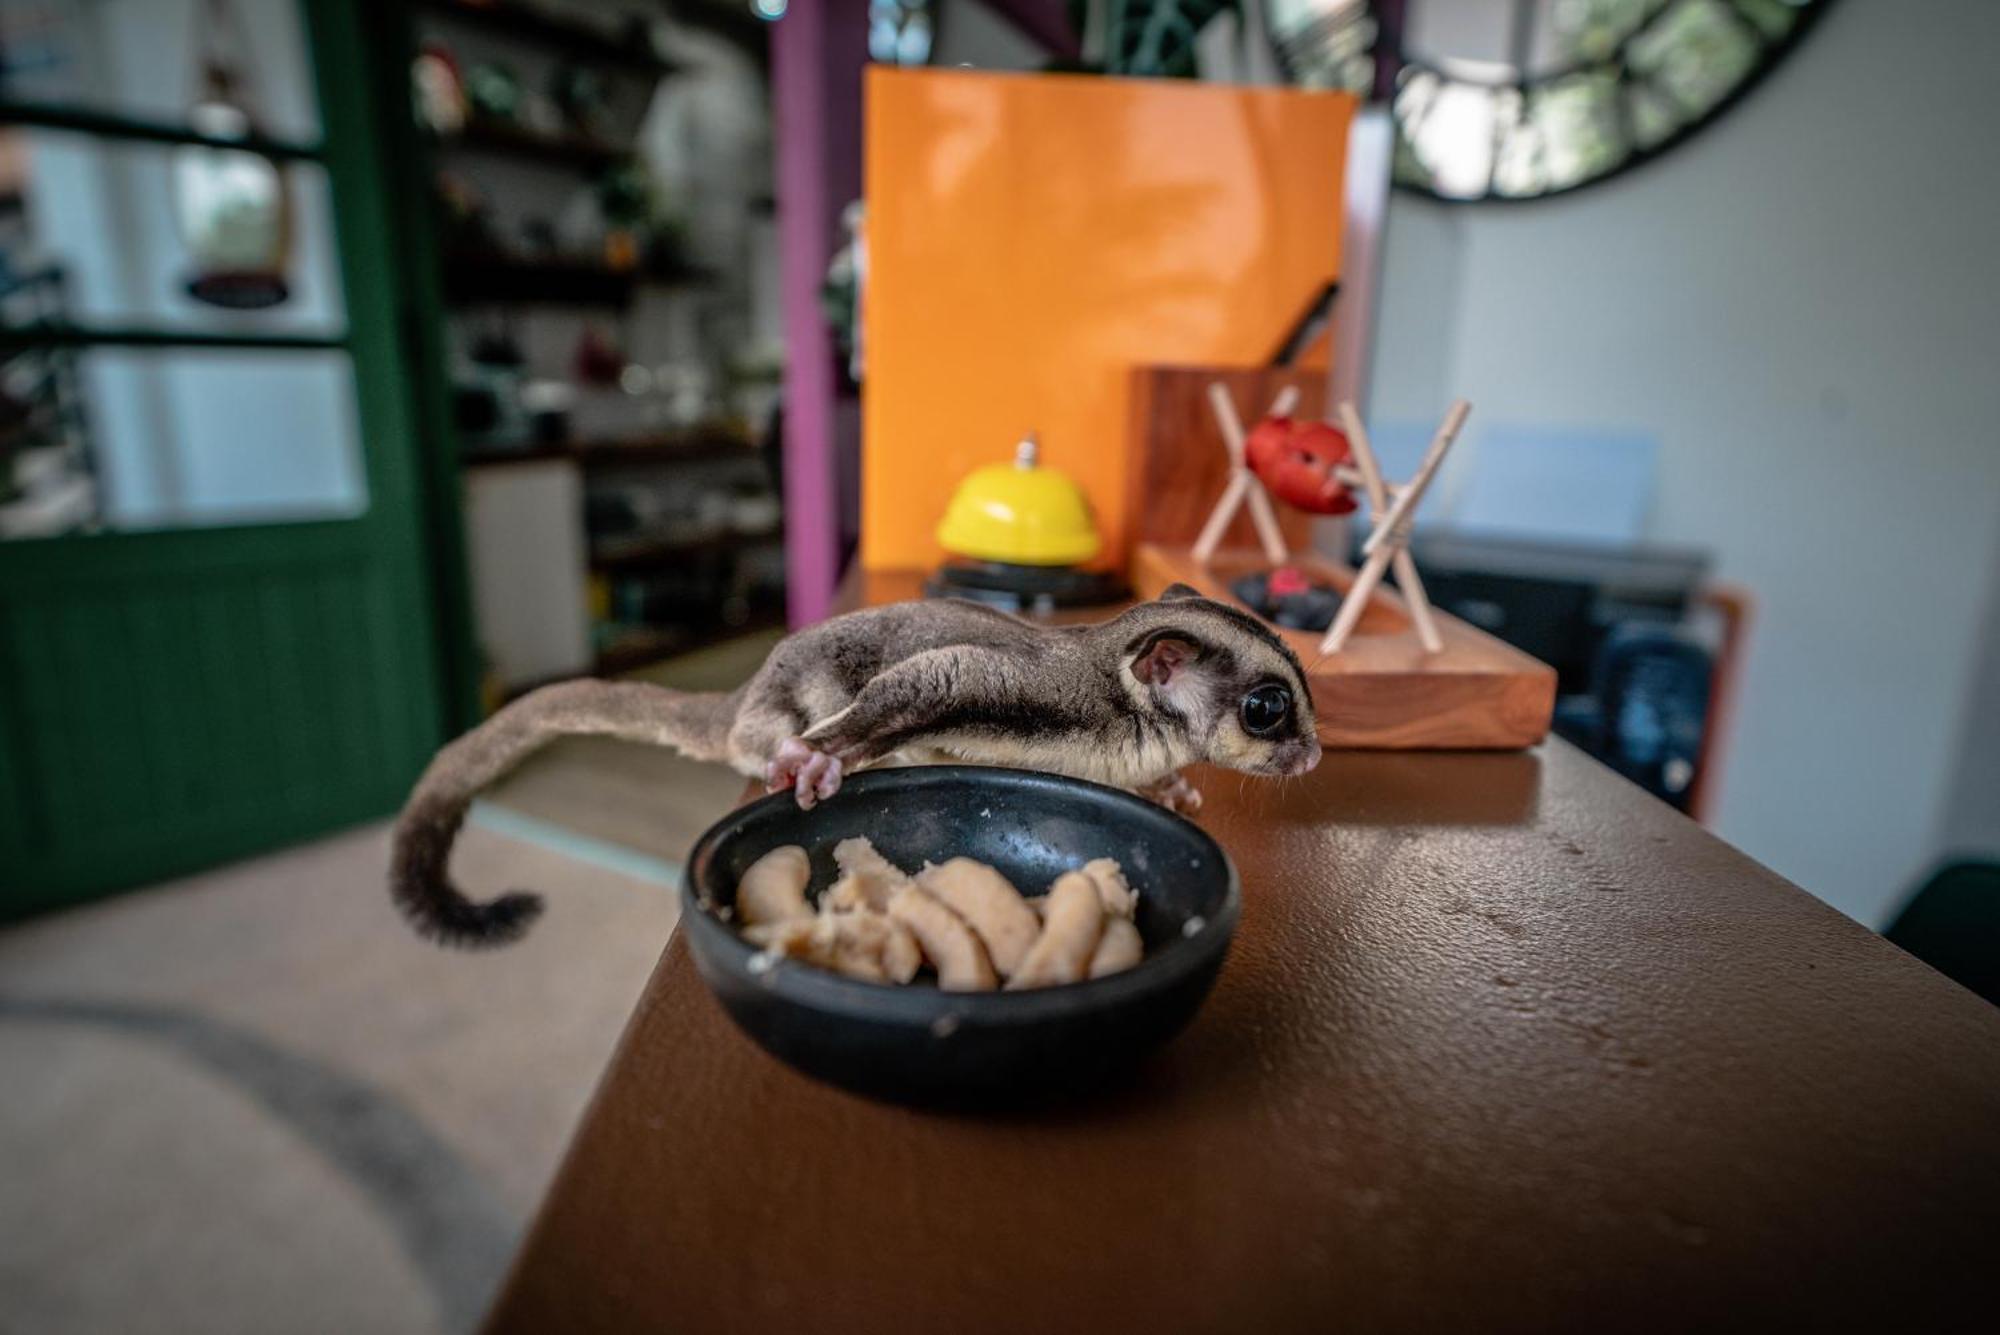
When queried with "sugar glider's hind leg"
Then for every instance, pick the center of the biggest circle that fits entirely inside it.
(769, 716)
(809, 772)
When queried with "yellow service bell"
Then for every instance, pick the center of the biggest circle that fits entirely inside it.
(1020, 513)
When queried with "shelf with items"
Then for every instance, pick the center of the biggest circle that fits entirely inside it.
(487, 112)
(702, 443)
(552, 32)
(501, 279)
(632, 555)
(684, 574)
(575, 329)
(526, 454)
(645, 645)
(569, 148)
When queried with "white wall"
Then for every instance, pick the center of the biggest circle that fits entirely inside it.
(968, 33)
(1803, 305)
(1970, 826)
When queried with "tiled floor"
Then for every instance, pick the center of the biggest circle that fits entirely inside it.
(254, 1101)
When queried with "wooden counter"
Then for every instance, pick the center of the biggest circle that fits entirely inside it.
(1503, 1045)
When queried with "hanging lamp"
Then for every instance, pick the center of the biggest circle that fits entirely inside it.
(232, 206)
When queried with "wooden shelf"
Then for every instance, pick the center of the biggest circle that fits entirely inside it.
(642, 649)
(580, 152)
(506, 280)
(470, 279)
(629, 557)
(554, 33)
(686, 445)
(695, 444)
(501, 457)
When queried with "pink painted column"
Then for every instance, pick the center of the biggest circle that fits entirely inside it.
(815, 104)
(819, 50)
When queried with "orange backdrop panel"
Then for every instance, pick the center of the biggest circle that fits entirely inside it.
(1032, 237)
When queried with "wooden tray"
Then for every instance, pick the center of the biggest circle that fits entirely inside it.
(1382, 689)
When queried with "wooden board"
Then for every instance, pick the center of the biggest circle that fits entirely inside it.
(1382, 689)
(1178, 462)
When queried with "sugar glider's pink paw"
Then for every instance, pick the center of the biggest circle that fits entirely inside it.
(809, 772)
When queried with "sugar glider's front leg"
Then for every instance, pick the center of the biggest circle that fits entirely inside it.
(896, 707)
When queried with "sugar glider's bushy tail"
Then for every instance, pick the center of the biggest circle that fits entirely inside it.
(419, 868)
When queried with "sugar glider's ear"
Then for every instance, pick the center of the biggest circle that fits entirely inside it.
(1173, 593)
(1163, 658)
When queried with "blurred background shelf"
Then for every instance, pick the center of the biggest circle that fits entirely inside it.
(642, 648)
(628, 556)
(720, 440)
(694, 444)
(582, 152)
(483, 278)
(556, 34)
(593, 286)
(470, 279)
(503, 458)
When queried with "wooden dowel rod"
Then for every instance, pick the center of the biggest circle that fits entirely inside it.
(1226, 418)
(1355, 601)
(1219, 517)
(1412, 589)
(1408, 583)
(1414, 490)
(1268, 533)
(1364, 456)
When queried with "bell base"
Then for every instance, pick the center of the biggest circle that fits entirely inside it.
(1019, 588)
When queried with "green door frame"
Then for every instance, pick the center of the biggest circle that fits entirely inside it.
(153, 685)
(378, 68)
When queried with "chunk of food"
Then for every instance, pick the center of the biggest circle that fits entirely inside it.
(773, 888)
(815, 941)
(961, 962)
(1070, 932)
(867, 879)
(1118, 949)
(1116, 892)
(990, 905)
(860, 944)
(890, 942)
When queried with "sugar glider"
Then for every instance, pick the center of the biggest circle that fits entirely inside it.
(1126, 702)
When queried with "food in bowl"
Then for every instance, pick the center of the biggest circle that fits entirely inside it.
(961, 919)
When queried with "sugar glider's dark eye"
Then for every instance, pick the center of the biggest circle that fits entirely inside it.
(1265, 710)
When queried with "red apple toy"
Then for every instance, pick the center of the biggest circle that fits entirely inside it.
(1296, 461)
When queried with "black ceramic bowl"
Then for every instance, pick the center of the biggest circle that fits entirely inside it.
(919, 1044)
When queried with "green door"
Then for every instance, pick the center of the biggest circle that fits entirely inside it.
(216, 606)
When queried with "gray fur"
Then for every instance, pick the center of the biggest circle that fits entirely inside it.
(942, 680)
